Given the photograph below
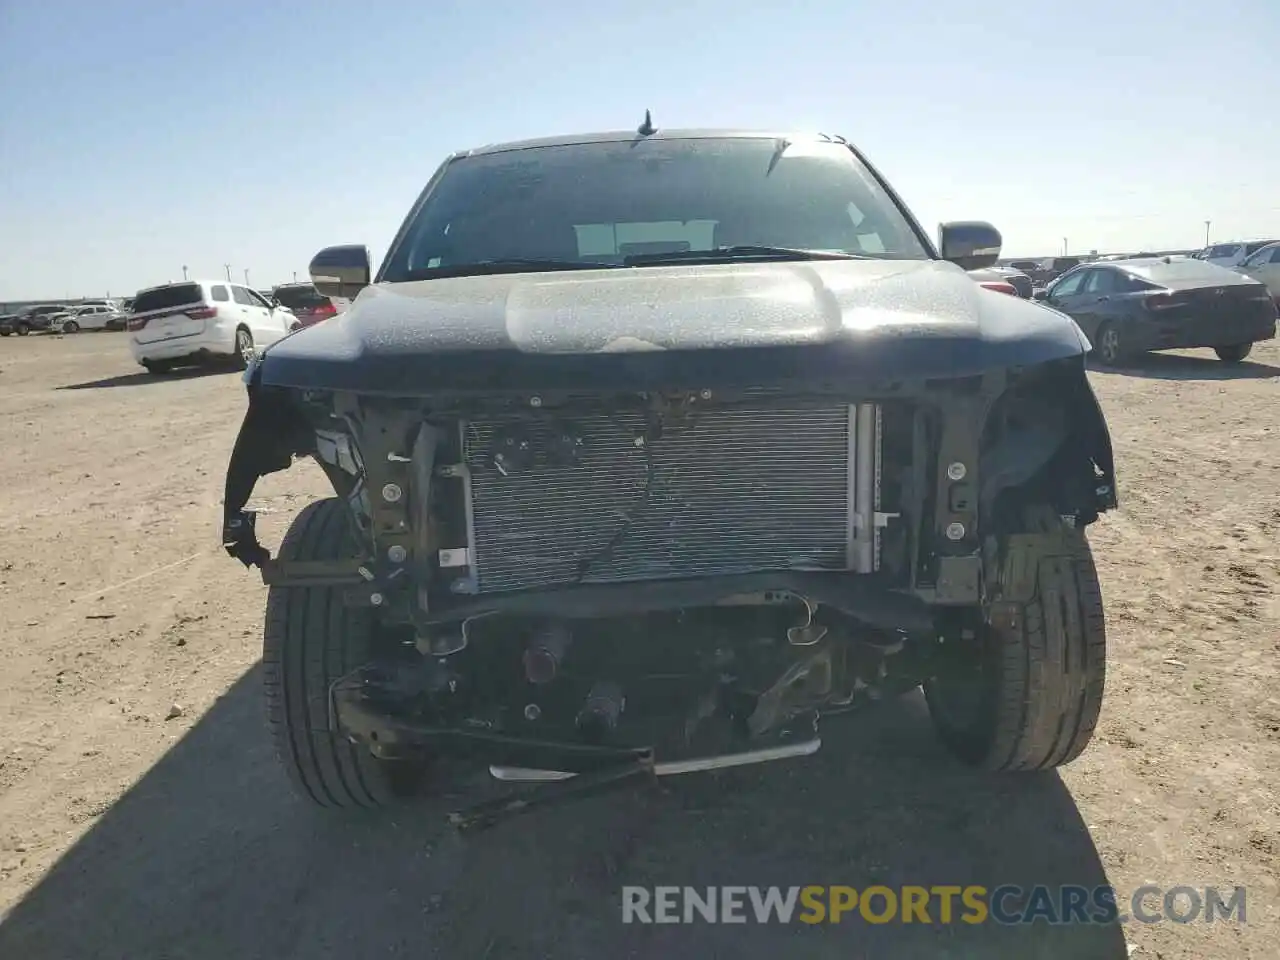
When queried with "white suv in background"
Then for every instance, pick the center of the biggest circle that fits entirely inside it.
(1231, 254)
(1264, 265)
(202, 321)
(92, 316)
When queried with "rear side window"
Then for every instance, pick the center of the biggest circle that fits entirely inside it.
(165, 298)
(1102, 281)
(242, 296)
(219, 293)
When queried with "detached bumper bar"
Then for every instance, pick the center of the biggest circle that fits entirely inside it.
(363, 707)
(561, 787)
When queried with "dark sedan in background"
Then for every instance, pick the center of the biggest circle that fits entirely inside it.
(1129, 307)
(308, 305)
(32, 319)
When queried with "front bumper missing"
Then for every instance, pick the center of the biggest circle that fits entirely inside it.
(564, 770)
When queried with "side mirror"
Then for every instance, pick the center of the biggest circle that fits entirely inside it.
(341, 271)
(1041, 294)
(970, 244)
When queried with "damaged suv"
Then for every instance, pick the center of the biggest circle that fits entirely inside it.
(650, 450)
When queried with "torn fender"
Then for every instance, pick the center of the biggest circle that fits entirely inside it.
(271, 434)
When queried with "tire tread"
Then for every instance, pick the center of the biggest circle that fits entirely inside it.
(1048, 652)
(1054, 664)
(311, 638)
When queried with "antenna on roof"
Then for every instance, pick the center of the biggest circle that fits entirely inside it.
(647, 129)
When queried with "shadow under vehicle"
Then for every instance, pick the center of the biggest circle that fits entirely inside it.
(651, 449)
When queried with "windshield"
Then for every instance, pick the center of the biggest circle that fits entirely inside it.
(601, 203)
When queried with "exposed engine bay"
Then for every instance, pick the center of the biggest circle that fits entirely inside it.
(574, 584)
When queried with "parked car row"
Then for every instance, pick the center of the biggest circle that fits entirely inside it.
(178, 324)
(100, 315)
(30, 320)
(65, 318)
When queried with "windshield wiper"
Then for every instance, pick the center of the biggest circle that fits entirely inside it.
(481, 268)
(739, 252)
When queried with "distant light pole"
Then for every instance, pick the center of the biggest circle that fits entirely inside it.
(184, 271)
(295, 276)
(246, 276)
(227, 267)
(1064, 246)
(1206, 232)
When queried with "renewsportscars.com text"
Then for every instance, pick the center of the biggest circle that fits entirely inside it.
(939, 904)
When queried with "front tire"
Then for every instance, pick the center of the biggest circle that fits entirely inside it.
(311, 639)
(1234, 353)
(23, 329)
(71, 327)
(1026, 693)
(158, 368)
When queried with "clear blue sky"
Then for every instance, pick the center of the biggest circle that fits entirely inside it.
(136, 137)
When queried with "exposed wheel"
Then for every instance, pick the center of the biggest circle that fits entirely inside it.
(312, 638)
(244, 347)
(1109, 349)
(71, 327)
(158, 367)
(5, 333)
(23, 329)
(1234, 353)
(1026, 692)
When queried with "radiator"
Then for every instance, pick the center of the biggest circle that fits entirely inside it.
(605, 499)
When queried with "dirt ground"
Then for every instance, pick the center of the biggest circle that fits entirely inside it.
(128, 831)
